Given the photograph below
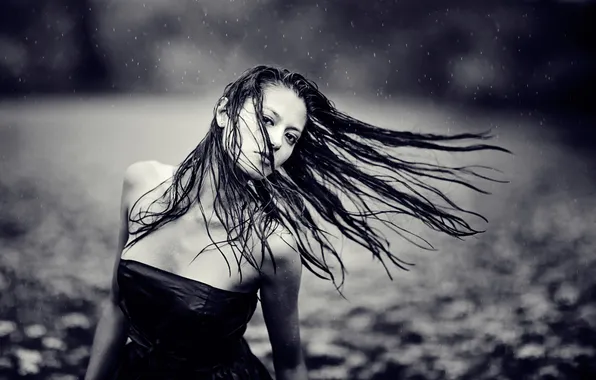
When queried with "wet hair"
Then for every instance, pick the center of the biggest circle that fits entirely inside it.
(343, 172)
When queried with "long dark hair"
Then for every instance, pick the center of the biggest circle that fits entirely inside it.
(337, 157)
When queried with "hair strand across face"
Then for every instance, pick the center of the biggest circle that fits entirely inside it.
(343, 172)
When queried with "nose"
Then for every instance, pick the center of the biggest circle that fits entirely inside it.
(276, 139)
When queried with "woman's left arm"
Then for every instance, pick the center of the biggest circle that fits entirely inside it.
(279, 302)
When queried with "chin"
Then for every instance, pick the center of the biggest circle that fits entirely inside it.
(257, 174)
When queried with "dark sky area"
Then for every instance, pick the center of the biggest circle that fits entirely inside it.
(500, 53)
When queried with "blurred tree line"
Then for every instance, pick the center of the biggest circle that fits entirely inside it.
(512, 53)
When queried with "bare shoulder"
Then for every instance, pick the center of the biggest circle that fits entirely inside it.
(142, 175)
(144, 171)
(286, 261)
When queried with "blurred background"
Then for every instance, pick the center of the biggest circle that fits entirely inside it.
(89, 86)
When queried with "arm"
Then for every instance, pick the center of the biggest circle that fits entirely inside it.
(279, 299)
(111, 333)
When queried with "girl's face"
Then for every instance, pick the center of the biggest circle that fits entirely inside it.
(284, 115)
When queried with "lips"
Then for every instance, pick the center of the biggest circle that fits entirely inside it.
(264, 158)
(263, 155)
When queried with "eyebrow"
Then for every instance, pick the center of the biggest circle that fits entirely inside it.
(278, 117)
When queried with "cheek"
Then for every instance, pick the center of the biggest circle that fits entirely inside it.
(250, 133)
(245, 138)
(282, 158)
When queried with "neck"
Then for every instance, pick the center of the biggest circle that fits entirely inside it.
(210, 188)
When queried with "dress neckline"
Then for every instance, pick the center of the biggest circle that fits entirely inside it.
(175, 275)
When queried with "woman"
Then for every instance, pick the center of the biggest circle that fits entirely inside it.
(242, 214)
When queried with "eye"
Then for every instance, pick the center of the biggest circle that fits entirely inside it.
(267, 120)
(291, 138)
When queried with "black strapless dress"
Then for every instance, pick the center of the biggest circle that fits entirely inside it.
(184, 329)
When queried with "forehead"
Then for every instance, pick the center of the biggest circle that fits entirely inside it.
(286, 104)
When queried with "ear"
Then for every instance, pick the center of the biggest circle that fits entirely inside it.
(221, 112)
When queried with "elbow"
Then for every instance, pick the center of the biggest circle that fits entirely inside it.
(108, 308)
(290, 362)
(298, 372)
(108, 342)
(111, 315)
